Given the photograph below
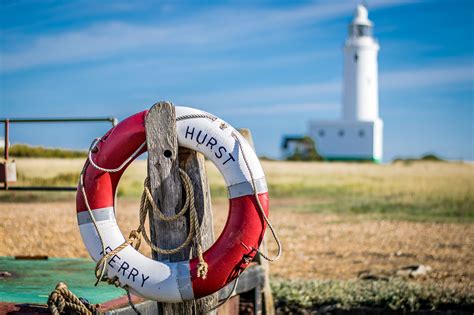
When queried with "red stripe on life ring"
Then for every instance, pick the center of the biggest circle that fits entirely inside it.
(242, 234)
(116, 146)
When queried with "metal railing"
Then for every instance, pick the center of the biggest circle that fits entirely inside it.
(8, 121)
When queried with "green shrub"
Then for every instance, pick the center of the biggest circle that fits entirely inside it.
(307, 151)
(424, 158)
(24, 150)
(395, 294)
(62, 179)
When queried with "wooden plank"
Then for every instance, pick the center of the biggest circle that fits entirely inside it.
(194, 165)
(163, 170)
(145, 308)
(268, 304)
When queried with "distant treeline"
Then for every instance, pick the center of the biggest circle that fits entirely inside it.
(24, 150)
(427, 157)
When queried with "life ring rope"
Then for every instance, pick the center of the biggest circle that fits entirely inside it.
(241, 196)
(269, 224)
(113, 170)
(192, 116)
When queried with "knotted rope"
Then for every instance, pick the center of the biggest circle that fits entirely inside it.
(148, 203)
(61, 300)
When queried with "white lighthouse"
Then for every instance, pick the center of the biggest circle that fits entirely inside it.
(358, 135)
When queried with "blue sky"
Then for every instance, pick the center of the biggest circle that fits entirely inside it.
(268, 66)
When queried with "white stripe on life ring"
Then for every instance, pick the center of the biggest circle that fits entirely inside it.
(156, 280)
(213, 138)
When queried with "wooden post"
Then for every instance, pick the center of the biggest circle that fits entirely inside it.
(268, 305)
(164, 160)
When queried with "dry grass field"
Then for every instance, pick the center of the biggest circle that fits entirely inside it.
(318, 246)
(336, 220)
(414, 191)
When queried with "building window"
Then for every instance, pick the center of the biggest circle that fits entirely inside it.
(361, 133)
(341, 133)
(321, 133)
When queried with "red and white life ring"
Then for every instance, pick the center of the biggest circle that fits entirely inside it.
(244, 230)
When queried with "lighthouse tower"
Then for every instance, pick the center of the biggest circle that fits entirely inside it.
(360, 99)
(358, 135)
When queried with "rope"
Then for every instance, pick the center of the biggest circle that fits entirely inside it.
(113, 170)
(192, 116)
(133, 235)
(101, 265)
(129, 297)
(260, 207)
(147, 201)
(255, 192)
(194, 229)
(63, 301)
(234, 286)
(91, 215)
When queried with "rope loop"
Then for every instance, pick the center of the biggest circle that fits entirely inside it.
(63, 301)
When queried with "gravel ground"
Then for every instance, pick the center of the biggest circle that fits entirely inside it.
(315, 245)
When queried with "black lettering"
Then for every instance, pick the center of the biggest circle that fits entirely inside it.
(212, 141)
(112, 260)
(230, 158)
(220, 152)
(189, 133)
(197, 138)
(144, 279)
(133, 273)
(124, 268)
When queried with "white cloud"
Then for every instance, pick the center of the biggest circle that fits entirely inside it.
(424, 77)
(265, 94)
(210, 30)
(278, 109)
(263, 98)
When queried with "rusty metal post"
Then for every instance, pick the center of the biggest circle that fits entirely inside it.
(7, 127)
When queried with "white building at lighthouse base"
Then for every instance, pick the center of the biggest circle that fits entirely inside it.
(348, 140)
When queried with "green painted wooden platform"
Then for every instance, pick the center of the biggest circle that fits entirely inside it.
(33, 280)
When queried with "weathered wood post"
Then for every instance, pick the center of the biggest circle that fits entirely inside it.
(164, 160)
(268, 305)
